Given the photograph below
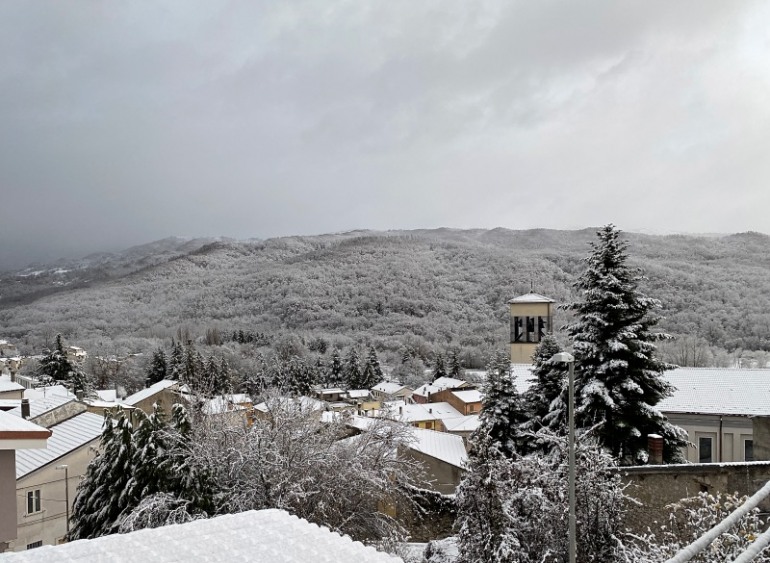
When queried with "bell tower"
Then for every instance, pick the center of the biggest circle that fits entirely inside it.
(531, 320)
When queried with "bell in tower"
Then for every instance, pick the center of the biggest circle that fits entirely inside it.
(531, 320)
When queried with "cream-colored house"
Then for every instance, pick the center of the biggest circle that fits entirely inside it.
(16, 436)
(42, 493)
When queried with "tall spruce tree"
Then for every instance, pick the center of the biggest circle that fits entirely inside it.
(502, 409)
(545, 400)
(158, 368)
(103, 494)
(373, 361)
(353, 369)
(618, 378)
(454, 368)
(335, 369)
(439, 369)
(55, 366)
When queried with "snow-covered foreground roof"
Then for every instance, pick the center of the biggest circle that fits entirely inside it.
(265, 535)
(531, 298)
(718, 391)
(66, 437)
(440, 445)
(726, 391)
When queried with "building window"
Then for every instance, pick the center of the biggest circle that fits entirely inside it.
(33, 501)
(704, 450)
(35, 544)
(748, 450)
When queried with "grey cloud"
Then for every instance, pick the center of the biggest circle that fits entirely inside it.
(124, 122)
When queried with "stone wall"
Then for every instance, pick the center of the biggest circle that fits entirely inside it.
(657, 486)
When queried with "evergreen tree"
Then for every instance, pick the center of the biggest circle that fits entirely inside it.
(502, 410)
(546, 400)
(618, 379)
(55, 366)
(104, 494)
(335, 369)
(79, 383)
(439, 370)
(158, 368)
(373, 361)
(177, 362)
(353, 370)
(300, 377)
(212, 378)
(135, 464)
(455, 368)
(368, 378)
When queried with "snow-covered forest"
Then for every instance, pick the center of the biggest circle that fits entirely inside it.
(426, 290)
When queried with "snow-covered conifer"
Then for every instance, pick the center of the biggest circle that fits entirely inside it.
(158, 368)
(502, 408)
(618, 378)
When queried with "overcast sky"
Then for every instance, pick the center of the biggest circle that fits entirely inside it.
(125, 122)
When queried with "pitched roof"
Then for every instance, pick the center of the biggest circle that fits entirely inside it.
(718, 391)
(440, 445)
(264, 535)
(41, 406)
(149, 391)
(468, 396)
(66, 437)
(404, 412)
(441, 384)
(462, 424)
(388, 387)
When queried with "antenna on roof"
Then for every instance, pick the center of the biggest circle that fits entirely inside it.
(531, 285)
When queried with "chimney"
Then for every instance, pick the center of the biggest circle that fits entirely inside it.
(400, 410)
(25, 408)
(430, 411)
(13, 375)
(79, 395)
(655, 448)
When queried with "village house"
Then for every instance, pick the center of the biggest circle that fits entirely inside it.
(16, 436)
(391, 391)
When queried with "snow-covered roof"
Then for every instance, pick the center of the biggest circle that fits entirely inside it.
(718, 391)
(462, 424)
(416, 412)
(66, 437)
(388, 387)
(7, 385)
(264, 535)
(226, 403)
(440, 445)
(531, 298)
(468, 396)
(358, 393)
(18, 433)
(48, 392)
(440, 384)
(149, 391)
(41, 406)
(108, 395)
(726, 391)
(301, 402)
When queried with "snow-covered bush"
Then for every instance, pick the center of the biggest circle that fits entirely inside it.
(516, 510)
(689, 519)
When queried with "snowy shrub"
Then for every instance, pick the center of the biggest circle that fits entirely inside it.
(516, 510)
(689, 519)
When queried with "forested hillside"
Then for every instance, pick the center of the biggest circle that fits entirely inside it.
(427, 289)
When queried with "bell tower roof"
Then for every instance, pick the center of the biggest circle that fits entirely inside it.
(531, 298)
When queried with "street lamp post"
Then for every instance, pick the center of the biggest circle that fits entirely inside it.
(66, 493)
(569, 359)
